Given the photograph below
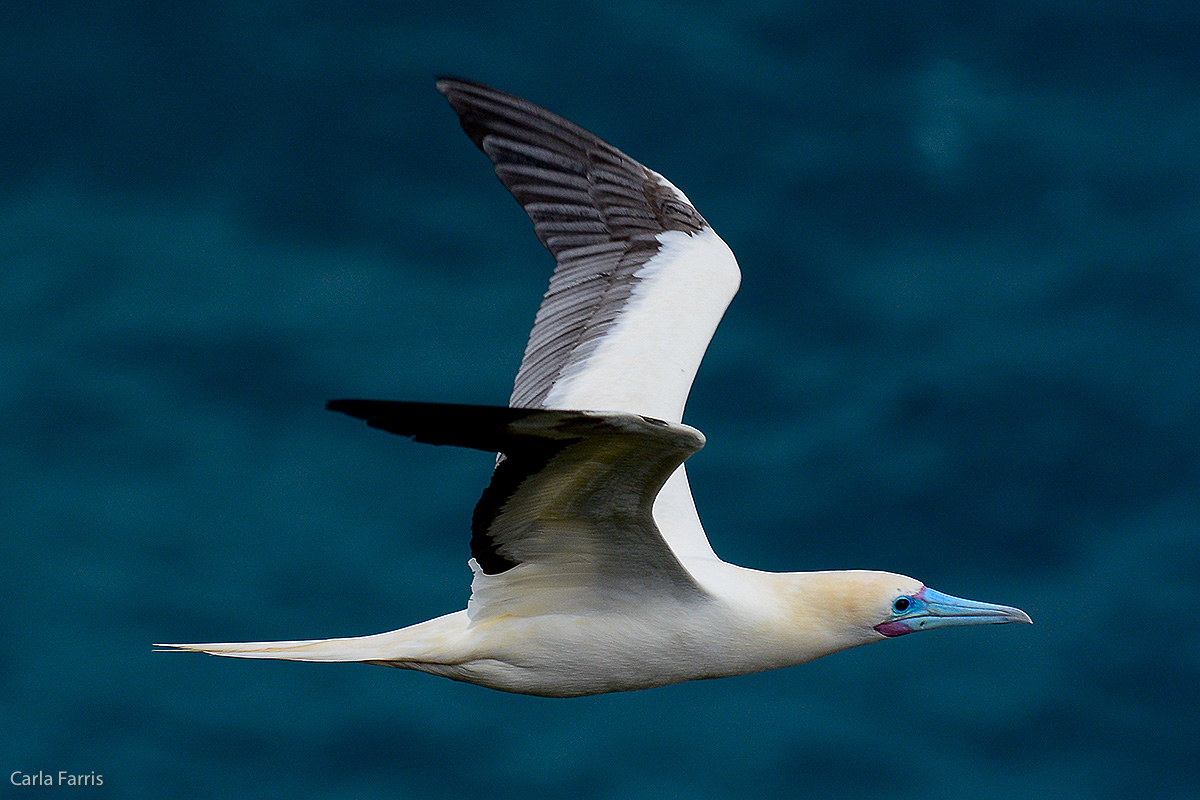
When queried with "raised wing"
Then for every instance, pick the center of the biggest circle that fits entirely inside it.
(641, 279)
(567, 520)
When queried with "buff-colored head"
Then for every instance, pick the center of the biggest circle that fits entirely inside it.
(854, 607)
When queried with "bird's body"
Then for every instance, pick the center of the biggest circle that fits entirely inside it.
(592, 572)
(758, 621)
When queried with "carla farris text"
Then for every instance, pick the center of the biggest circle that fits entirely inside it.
(60, 778)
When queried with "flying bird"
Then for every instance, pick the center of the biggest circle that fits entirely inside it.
(591, 571)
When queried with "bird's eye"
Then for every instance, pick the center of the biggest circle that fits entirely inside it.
(901, 605)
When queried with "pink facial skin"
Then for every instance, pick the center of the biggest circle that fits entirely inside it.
(897, 628)
(900, 627)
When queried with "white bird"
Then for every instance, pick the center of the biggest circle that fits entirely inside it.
(591, 570)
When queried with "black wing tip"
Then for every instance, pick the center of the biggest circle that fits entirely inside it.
(474, 426)
(452, 84)
(355, 408)
(496, 428)
(462, 95)
(448, 83)
(475, 103)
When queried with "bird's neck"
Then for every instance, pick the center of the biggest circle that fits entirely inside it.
(807, 615)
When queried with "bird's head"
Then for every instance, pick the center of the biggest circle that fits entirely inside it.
(907, 612)
(861, 606)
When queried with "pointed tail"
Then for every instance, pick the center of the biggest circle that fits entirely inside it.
(363, 648)
(432, 641)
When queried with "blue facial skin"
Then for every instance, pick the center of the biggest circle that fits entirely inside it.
(930, 608)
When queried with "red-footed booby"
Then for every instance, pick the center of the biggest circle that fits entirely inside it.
(591, 570)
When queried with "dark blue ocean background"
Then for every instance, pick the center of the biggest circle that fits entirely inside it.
(967, 348)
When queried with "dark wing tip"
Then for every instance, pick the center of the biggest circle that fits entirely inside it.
(503, 428)
(465, 97)
(484, 111)
(448, 83)
(351, 407)
(476, 427)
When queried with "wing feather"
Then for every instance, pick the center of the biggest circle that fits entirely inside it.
(570, 505)
(640, 284)
(603, 216)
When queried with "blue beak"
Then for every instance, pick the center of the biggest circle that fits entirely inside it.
(930, 608)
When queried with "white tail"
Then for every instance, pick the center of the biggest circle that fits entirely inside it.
(417, 643)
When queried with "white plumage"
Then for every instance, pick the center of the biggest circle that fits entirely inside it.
(592, 572)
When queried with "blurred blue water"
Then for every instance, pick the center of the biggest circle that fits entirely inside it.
(966, 349)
